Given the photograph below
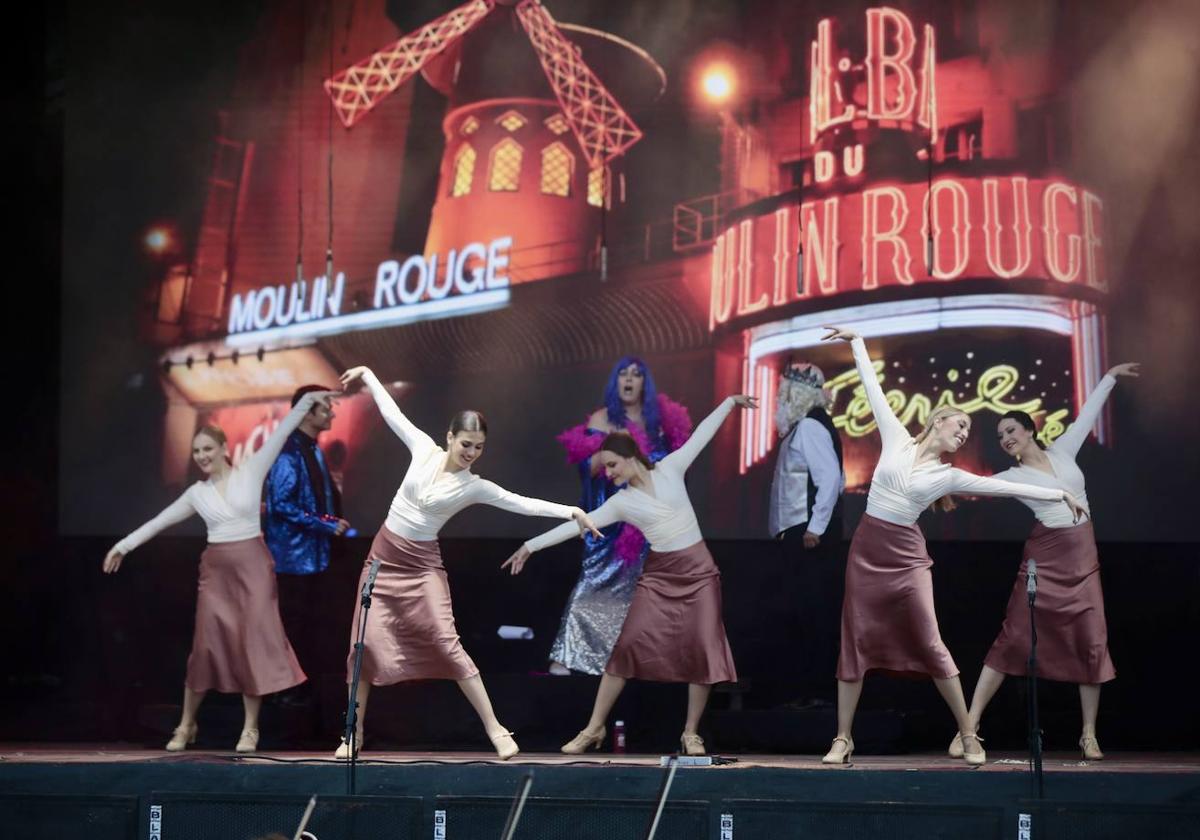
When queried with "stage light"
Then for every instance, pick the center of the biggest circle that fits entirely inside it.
(717, 83)
(158, 240)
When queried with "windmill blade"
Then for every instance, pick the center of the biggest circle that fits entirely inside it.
(362, 86)
(600, 124)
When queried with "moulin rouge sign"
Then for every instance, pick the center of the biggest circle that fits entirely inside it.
(855, 235)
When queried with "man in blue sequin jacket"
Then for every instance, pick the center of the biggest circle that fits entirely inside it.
(303, 511)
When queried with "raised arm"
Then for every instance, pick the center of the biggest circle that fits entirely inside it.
(891, 429)
(172, 514)
(415, 439)
(1072, 439)
(259, 464)
(682, 458)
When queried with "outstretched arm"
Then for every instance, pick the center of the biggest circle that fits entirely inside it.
(172, 514)
(601, 517)
(891, 430)
(683, 457)
(1072, 439)
(962, 481)
(405, 429)
(259, 464)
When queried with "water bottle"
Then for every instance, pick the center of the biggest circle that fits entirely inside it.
(618, 741)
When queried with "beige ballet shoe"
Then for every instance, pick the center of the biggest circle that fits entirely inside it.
(974, 758)
(1091, 748)
(247, 741)
(505, 746)
(691, 744)
(342, 753)
(585, 740)
(181, 737)
(956, 749)
(839, 755)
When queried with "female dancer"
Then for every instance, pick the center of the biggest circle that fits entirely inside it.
(888, 621)
(239, 644)
(612, 562)
(674, 631)
(1072, 635)
(410, 634)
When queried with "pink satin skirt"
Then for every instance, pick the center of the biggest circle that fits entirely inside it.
(888, 623)
(239, 645)
(410, 633)
(1069, 611)
(674, 631)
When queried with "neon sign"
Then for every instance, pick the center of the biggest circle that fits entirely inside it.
(897, 90)
(993, 386)
(1001, 227)
(469, 280)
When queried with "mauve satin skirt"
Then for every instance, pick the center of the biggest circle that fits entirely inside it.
(410, 632)
(1069, 610)
(888, 623)
(674, 631)
(239, 645)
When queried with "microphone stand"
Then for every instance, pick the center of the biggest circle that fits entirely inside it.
(1035, 731)
(351, 733)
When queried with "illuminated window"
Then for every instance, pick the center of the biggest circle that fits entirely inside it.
(597, 192)
(558, 165)
(464, 170)
(469, 126)
(557, 123)
(505, 171)
(511, 120)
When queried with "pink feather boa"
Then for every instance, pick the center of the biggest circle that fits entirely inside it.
(582, 444)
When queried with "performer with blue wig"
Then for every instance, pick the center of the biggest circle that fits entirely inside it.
(596, 608)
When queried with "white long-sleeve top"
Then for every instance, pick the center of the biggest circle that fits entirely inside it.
(1062, 453)
(233, 516)
(428, 495)
(901, 491)
(666, 517)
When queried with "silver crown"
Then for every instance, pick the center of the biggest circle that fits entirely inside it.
(809, 375)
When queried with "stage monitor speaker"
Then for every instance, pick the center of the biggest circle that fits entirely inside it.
(205, 816)
(471, 817)
(41, 817)
(1111, 821)
(791, 820)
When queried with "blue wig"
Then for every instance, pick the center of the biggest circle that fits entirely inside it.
(616, 410)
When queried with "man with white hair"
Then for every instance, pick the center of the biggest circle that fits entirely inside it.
(807, 488)
(805, 516)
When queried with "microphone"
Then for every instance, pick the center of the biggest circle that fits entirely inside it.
(369, 584)
(1031, 578)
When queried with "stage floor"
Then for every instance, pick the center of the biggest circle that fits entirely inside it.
(1002, 762)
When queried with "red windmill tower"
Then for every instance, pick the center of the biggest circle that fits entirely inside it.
(532, 134)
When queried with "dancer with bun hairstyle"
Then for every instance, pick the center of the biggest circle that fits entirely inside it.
(410, 632)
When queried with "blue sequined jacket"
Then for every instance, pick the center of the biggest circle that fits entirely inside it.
(296, 535)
